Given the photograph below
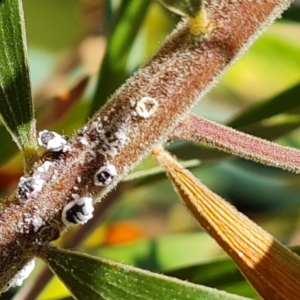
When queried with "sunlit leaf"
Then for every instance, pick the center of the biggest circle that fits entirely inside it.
(91, 278)
(270, 267)
(259, 74)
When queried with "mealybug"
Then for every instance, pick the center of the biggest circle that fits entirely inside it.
(105, 175)
(78, 211)
(53, 141)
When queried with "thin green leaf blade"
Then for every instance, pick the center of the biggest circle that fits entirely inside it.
(285, 101)
(10, 149)
(183, 7)
(91, 278)
(16, 107)
(220, 273)
(113, 71)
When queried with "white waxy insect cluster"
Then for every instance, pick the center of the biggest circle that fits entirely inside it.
(53, 141)
(78, 211)
(105, 175)
(44, 167)
(104, 140)
(23, 274)
(28, 187)
(113, 141)
(96, 140)
(30, 221)
(37, 222)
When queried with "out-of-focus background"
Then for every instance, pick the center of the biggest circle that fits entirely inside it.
(144, 223)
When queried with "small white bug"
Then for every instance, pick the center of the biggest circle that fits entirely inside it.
(105, 175)
(28, 187)
(53, 141)
(146, 107)
(78, 211)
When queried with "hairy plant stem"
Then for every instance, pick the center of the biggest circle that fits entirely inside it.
(140, 115)
(201, 130)
(32, 290)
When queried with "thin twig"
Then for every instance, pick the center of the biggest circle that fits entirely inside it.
(201, 130)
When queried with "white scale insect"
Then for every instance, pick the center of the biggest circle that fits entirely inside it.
(28, 187)
(78, 211)
(146, 107)
(53, 141)
(105, 175)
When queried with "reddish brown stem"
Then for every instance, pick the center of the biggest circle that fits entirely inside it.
(140, 115)
(201, 130)
(32, 290)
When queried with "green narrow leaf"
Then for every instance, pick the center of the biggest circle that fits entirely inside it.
(113, 69)
(108, 14)
(10, 149)
(183, 7)
(92, 278)
(16, 107)
(281, 103)
(221, 274)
